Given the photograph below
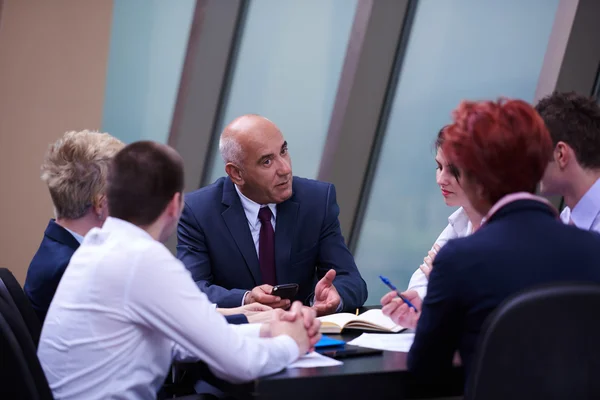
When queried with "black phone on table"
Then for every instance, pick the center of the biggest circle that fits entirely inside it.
(347, 351)
(287, 291)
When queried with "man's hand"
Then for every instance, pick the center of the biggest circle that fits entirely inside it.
(327, 298)
(427, 265)
(293, 323)
(262, 294)
(311, 323)
(399, 312)
(247, 310)
(264, 316)
(307, 314)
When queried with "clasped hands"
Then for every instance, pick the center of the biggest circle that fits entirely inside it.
(299, 322)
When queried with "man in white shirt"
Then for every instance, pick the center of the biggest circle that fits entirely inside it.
(126, 307)
(574, 171)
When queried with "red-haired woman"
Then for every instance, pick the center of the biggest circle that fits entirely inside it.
(500, 150)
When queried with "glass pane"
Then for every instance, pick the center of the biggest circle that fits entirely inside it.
(148, 42)
(287, 69)
(457, 49)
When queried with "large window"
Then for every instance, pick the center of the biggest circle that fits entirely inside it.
(148, 42)
(287, 69)
(457, 49)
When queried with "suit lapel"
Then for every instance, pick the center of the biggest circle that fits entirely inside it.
(61, 235)
(236, 222)
(285, 224)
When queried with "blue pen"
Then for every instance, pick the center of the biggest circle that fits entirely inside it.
(391, 286)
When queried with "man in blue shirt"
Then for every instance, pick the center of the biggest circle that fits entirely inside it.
(573, 121)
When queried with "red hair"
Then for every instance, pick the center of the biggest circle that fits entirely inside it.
(503, 145)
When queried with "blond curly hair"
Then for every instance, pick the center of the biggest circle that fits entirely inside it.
(75, 169)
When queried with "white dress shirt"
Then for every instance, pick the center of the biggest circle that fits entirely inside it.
(586, 213)
(251, 209)
(126, 307)
(459, 226)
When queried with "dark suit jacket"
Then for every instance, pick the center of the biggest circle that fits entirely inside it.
(48, 266)
(215, 244)
(522, 245)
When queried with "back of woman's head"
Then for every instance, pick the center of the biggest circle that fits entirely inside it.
(504, 146)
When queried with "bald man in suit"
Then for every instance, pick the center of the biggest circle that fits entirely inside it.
(260, 226)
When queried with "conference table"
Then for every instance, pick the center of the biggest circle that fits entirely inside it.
(383, 375)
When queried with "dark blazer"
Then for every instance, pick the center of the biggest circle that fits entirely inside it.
(215, 244)
(48, 266)
(522, 245)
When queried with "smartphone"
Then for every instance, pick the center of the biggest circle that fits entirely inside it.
(287, 291)
(348, 351)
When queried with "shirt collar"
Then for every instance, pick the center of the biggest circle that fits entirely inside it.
(459, 220)
(76, 235)
(510, 198)
(587, 209)
(115, 225)
(251, 208)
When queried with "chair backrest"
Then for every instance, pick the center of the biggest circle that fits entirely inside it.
(16, 381)
(24, 348)
(543, 343)
(10, 286)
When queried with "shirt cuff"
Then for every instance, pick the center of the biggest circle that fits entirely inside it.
(289, 346)
(340, 306)
(244, 298)
(250, 330)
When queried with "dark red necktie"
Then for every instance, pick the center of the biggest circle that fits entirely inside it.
(266, 247)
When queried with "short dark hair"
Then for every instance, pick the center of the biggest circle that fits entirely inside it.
(574, 119)
(142, 179)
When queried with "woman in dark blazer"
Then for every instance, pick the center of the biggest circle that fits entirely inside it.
(501, 150)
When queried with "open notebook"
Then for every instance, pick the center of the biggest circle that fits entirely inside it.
(372, 320)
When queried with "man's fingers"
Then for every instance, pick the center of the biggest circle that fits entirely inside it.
(320, 309)
(285, 303)
(268, 289)
(296, 308)
(313, 329)
(309, 316)
(287, 316)
(425, 269)
(329, 277)
(266, 298)
(259, 307)
(436, 248)
(314, 339)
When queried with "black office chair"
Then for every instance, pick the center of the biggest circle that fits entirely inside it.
(21, 370)
(543, 343)
(12, 292)
(16, 381)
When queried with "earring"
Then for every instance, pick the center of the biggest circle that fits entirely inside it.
(101, 216)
